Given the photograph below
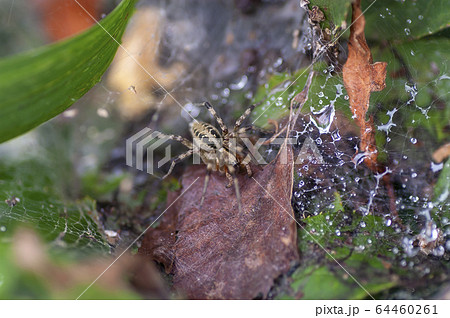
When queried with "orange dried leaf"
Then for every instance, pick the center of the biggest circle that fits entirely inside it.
(361, 77)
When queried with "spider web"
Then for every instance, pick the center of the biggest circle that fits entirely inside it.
(29, 200)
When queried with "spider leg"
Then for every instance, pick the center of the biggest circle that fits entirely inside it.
(205, 186)
(242, 131)
(184, 141)
(216, 117)
(245, 163)
(230, 178)
(240, 120)
(238, 194)
(176, 160)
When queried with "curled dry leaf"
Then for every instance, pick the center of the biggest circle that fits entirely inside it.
(213, 251)
(216, 253)
(361, 77)
(442, 153)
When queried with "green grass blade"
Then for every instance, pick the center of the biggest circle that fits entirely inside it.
(40, 84)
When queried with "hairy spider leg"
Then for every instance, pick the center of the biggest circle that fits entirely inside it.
(217, 118)
(241, 119)
(184, 141)
(246, 164)
(236, 190)
(181, 157)
(177, 160)
(205, 186)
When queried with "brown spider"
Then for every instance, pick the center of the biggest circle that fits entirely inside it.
(220, 151)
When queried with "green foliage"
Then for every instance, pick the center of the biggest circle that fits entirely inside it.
(357, 242)
(405, 20)
(275, 97)
(170, 185)
(423, 87)
(38, 85)
(441, 200)
(321, 283)
(338, 231)
(30, 200)
(100, 186)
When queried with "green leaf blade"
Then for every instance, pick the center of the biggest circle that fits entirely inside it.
(38, 85)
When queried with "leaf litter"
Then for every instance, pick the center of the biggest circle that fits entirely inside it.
(212, 251)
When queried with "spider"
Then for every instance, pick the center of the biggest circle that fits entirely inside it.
(220, 151)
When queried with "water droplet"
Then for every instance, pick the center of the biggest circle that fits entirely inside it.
(407, 31)
(395, 250)
(346, 97)
(413, 141)
(278, 62)
(382, 16)
(420, 17)
(413, 175)
(439, 251)
(436, 167)
(338, 233)
(388, 222)
(408, 21)
(323, 118)
(362, 224)
(2, 228)
(411, 89)
(321, 94)
(240, 84)
(412, 53)
(101, 112)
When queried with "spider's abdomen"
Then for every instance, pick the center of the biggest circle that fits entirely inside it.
(206, 136)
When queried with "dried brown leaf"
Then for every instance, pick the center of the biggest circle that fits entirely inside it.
(220, 254)
(442, 153)
(361, 77)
